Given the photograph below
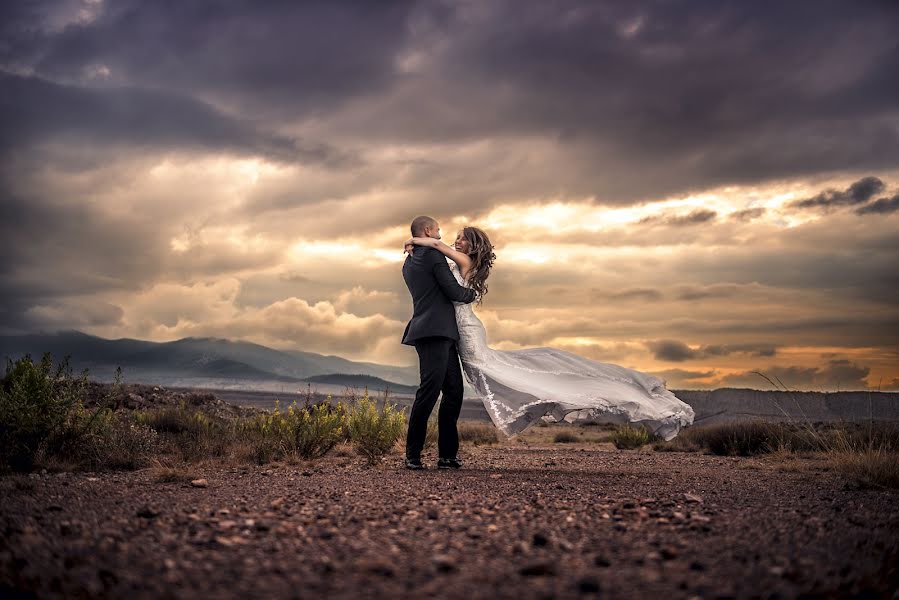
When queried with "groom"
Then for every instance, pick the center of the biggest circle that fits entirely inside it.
(434, 334)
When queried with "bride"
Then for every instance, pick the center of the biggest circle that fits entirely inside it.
(519, 387)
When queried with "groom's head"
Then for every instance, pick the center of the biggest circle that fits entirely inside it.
(425, 227)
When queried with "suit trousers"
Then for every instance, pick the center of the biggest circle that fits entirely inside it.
(438, 361)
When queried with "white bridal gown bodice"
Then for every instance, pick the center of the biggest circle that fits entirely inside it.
(521, 386)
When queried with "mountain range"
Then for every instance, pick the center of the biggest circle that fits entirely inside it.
(203, 362)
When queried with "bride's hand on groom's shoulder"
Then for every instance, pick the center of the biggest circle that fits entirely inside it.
(410, 244)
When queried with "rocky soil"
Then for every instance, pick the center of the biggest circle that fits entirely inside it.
(517, 522)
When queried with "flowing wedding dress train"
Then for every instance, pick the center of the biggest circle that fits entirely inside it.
(521, 386)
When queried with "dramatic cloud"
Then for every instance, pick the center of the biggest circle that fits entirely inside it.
(676, 351)
(859, 192)
(708, 185)
(839, 374)
(881, 206)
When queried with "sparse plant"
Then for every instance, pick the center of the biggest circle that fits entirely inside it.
(308, 431)
(35, 403)
(374, 431)
(565, 437)
(477, 433)
(627, 437)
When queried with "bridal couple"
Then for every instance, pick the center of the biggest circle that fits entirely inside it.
(517, 387)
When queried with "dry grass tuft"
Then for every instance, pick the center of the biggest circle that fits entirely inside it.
(870, 460)
(565, 437)
(477, 433)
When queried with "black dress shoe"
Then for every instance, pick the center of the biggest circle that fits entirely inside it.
(414, 464)
(449, 463)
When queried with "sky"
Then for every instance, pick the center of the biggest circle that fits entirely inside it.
(700, 190)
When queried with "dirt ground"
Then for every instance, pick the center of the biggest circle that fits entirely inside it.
(523, 520)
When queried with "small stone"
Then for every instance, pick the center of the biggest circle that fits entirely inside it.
(307, 473)
(540, 569)
(693, 498)
(700, 518)
(147, 513)
(262, 526)
(380, 568)
(443, 563)
(668, 553)
(588, 585)
(540, 540)
(199, 483)
(433, 514)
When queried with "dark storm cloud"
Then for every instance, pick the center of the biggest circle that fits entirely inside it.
(838, 374)
(881, 206)
(748, 214)
(663, 96)
(66, 250)
(693, 91)
(274, 58)
(647, 294)
(858, 193)
(33, 110)
(677, 351)
(700, 215)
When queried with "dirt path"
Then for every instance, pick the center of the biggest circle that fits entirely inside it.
(534, 522)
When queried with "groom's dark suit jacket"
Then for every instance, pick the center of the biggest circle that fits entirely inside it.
(433, 290)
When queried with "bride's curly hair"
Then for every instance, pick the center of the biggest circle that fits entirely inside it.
(482, 258)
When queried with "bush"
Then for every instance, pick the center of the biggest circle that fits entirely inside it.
(309, 431)
(35, 404)
(756, 437)
(869, 456)
(373, 432)
(477, 433)
(628, 437)
(125, 444)
(565, 437)
(188, 431)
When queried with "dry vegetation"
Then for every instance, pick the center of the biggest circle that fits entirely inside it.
(47, 421)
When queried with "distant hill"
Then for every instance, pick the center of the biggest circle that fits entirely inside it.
(362, 381)
(207, 362)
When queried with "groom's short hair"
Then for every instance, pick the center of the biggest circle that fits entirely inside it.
(419, 224)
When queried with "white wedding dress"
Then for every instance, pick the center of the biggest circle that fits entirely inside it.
(521, 386)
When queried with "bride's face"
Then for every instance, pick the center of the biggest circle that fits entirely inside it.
(462, 245)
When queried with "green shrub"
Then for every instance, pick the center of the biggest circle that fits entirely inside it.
(309, 431)
(477, 433)
(565, 437)
(35, 403)
(628, 437)
(374, 431)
